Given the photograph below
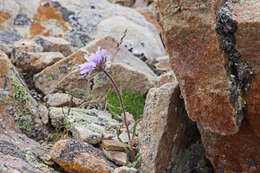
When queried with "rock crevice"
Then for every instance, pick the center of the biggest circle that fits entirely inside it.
(239, 71)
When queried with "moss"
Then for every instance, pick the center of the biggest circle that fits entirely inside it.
(4, 100)
(133, 102)
(25, 122)
(19, 92)
(50, 78)
(33, 159)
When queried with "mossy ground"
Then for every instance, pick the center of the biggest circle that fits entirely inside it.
(133, 102)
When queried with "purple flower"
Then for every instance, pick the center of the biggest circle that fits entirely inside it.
(96, 62)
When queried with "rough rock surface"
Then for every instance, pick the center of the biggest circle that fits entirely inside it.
(166, 132)
(54, 44)
(76, 156)
(125, 169)
(118, 157)
(88, 125)
(247, 16)
(162, 64)
(128, 72)
(18, 153)
(113, 145)
(61, 99)
(76, 20)
(235, 153)
(15, 98)
(138, 39)
(199, 65)
(168, 77)
(37, 61)
(214, 50)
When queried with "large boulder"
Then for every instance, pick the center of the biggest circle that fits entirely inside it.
(138, 38)
(15, 98)
(128, 72)
(166, 134)
(18, 153)
(199, 65)
(216, 64)
(75, 20)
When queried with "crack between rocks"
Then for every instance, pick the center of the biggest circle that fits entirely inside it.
(239, 72)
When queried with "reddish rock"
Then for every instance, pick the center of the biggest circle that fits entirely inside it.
(192, 43)
(206, 77)
(247, 15)
(234, 153)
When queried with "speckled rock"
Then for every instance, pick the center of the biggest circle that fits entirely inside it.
(139, 39)
(76, 156)
(166, 78)
(19, 153)
(118, 157)
(37, 61)
(113, 145)
(247, 16)
(163, 64)
(235, 153)
(61, 99)
(166, 132)
(15, 98)
(127, 3)
(125, 169)
(199, 64)
(54, 44)
(9, 36)
(127, 71)
(5, 48)
(88, 125)
(76, 20)
(216, 63)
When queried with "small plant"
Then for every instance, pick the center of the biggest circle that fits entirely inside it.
(19, 93)
(134, 103)
(97, 63)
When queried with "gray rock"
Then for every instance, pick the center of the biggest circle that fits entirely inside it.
(61, 99)
(9, 36)
(22, 19)
(77, 23)
(165, 130)
(125, 169)
(19, 153)
(139, 39)
(54, 44)
(128, 71)
(88, 125)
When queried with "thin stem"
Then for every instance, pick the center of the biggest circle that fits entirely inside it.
(123, 109)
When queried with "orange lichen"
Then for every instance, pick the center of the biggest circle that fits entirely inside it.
(36, 29)
(3, 71)
(4, 16)
(43, 15)
(79, 166)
